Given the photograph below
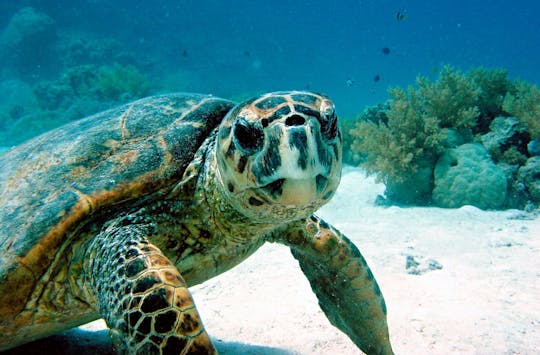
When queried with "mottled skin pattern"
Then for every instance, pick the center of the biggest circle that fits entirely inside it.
(116, 215)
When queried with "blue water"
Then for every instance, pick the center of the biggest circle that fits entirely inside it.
(236, 48)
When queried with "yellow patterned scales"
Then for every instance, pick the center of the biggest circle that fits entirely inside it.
(116, 215)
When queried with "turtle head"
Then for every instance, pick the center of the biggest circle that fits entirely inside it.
(279, 155)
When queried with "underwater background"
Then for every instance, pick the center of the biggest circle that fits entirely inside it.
(64, 60)
(350, 50)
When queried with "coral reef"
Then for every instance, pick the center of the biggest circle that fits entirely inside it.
(466, 175)
(529, 174)
(27, 25)
(409, 140)
(349, 157)
(16, 101)
(507, 140)
(26, 43)
(51, 74)
(121, 83)
(493, 85)
(88, 49)
(80, 91)
(524, 104)
(114, 83)
(416, 125)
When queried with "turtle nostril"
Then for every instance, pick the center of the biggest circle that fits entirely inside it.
(295, 120)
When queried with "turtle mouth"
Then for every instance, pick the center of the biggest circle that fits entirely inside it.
(296, 191)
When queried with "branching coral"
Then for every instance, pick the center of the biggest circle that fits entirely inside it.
(118, 81)
(524, 104)
(451, 100)
(416, 125)
(493, 85)
(83, 90)
(403, 142)
(112, 84)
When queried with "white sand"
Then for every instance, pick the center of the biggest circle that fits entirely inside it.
(484, 300)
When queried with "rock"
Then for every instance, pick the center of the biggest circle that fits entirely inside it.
(529, 175)
(417, 265)
(26, 44)
(506, 132)
(517, 195)
(382, 201)
(466, 175)
(452, 138)
(534, 147)
(27, 25)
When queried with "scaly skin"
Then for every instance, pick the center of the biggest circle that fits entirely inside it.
(142, 296)
(340, 277)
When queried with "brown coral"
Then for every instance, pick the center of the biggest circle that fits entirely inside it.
(402, 142)
(417, 119)
(524, 104)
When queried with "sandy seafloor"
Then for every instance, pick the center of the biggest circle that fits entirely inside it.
(484, 300)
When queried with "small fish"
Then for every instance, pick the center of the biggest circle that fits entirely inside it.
(247, 53)
(376, 78)
(185, 53)
(401, 16)
(385, 51)
(349, 82)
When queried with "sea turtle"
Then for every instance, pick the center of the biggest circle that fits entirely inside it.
(117, 214)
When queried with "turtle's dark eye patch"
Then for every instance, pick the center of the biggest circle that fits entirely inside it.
(248, 137)
(307, 111)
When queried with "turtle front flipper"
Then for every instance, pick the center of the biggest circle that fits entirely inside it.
(340, 277)
(141, 295)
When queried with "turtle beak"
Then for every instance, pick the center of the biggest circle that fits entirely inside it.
(296, 191)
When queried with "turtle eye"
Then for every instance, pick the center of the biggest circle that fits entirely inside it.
(330, 127)
(248, 137)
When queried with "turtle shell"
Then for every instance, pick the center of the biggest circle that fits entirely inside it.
(54, 183)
